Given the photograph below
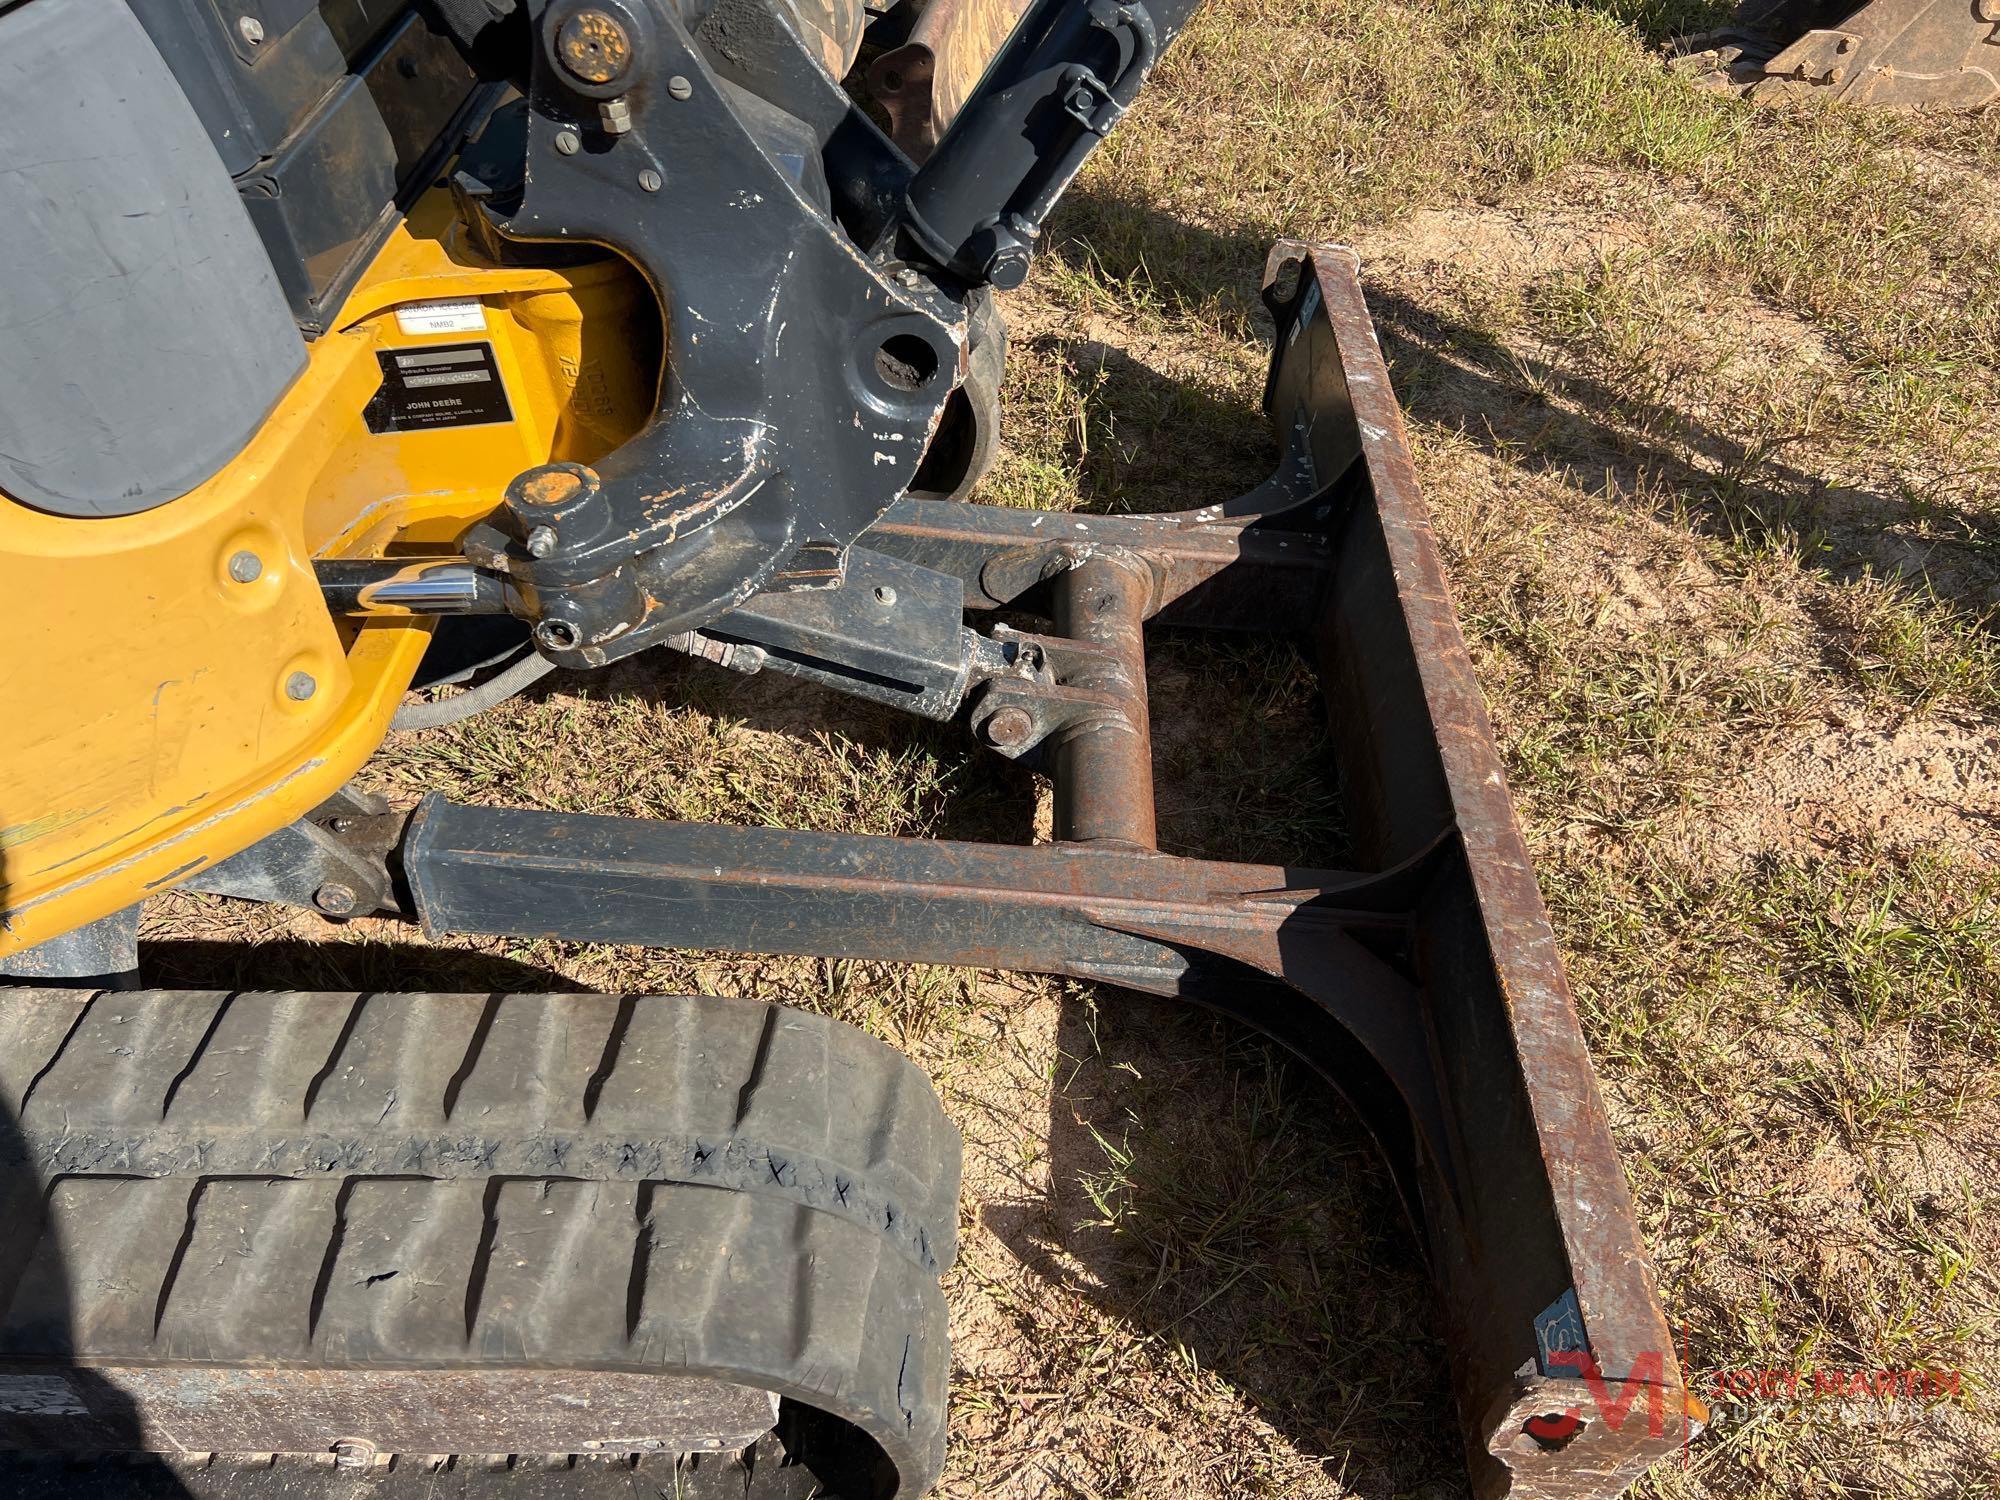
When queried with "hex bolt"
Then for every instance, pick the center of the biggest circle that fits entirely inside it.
(250, 29)
(1009, 727)
(615, 115)
(246, 567)
(541, 541)
(680, 88)
(300, 686)
(1002, 248)
(338, 900)
(884, 594)
(1007, 267)
(650, 180)
(351, 1453)
(568, 142)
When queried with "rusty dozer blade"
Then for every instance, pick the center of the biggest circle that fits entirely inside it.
(1423, 981)
(1902, 54)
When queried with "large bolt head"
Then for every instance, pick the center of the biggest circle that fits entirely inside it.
(594, 47)
(551, 486)
(335, 899)
(1010, 727)
(1001, 256)
(1007, 267)
(557, 635)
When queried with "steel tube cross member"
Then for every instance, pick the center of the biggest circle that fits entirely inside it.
(1103, 767)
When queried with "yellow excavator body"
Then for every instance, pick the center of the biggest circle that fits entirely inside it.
(176, 687)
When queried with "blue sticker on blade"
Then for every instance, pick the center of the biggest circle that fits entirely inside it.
(1562, 1349)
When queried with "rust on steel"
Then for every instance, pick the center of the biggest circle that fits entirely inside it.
(925, 82)
(552, 487)
(1939, 55)
(1104, 764)
(1592, 1235)
(594, 47)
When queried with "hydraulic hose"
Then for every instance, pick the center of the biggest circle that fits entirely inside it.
(497, 689)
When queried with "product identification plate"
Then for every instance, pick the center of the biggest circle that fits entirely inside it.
(455, 316)
(441, 385)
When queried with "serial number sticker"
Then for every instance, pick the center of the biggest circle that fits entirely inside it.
(447, 315)
(39, 1396)
(437, 385)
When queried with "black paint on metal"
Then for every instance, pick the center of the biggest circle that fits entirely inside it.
(803, 381)
(1065, 77)
(333, 861)
(893, 633)
(822, 294)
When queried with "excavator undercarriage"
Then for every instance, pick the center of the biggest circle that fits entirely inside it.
(579, 329)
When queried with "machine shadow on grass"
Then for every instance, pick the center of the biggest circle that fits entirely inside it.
(1215, 1199)
(295, 964)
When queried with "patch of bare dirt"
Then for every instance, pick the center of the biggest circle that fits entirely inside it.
(1506, 246)
(1928, 782)
(1972, 191)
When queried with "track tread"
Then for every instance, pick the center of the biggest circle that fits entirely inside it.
(757, 1473)
(721, 1187)
(758, 1098)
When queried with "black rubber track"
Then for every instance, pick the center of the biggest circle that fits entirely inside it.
(716, 1187)
(762, 1473)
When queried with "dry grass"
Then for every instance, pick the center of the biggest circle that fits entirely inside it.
(1704, 400)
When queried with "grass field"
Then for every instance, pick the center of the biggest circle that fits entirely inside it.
(1704, 399)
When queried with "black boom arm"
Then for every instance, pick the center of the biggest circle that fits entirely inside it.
(815, 287)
